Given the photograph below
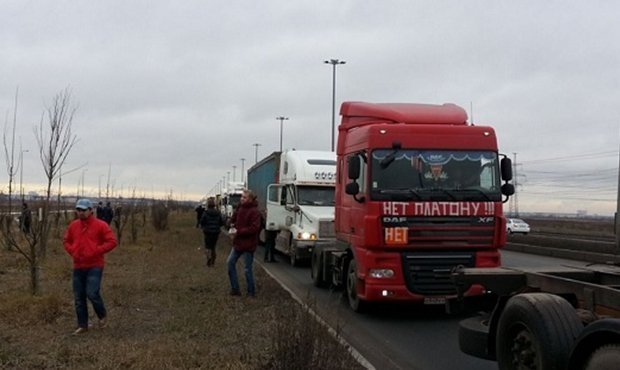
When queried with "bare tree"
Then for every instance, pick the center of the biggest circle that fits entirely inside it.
(55, 141)
(11, 169)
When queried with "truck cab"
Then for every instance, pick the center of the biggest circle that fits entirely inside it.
(231, 198)
(301, 205)
(419, 192)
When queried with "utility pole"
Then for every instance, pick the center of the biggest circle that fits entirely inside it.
(514, 176)
(617, 218)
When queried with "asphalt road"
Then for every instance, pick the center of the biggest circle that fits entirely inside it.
(395, 337)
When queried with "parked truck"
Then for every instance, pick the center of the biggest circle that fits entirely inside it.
(230, 198)
(560, 317)
(295, 192)
(418, 193)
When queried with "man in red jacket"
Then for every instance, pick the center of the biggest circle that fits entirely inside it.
(87, 239)
(245, 226)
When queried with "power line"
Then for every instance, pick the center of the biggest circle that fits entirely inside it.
(595, 155)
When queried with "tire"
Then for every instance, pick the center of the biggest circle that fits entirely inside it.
(536, 331)
(293, 258)
(293, 255)
(316, 268)
(606, 357)
(356, 304)
(474, 337)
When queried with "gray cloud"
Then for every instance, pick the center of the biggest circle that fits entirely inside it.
(171, 95)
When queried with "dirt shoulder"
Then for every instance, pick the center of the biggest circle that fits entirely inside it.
(166, 310)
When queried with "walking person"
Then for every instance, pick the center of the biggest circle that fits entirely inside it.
(270, 245)
(245, 226)
(200, 209)
(87, 239)
(211, 223)
(25, 219)
(108, 213)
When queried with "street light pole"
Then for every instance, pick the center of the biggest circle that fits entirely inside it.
(256, 145)
(242, 169)
(83, 171)
(334, 63)
(282, 119)
(21, 173)
(234, 173)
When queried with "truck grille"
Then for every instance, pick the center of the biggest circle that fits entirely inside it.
(326, 229)
(428, 273)
(452, 232)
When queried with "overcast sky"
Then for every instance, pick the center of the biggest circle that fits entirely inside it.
(171, 94)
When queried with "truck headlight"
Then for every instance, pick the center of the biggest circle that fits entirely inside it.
(381, 273)
(306, 236)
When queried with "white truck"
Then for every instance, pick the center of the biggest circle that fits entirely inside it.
(230, 199)
(295, 191)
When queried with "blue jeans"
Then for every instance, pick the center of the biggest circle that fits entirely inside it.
(86, 284)
(248, 259)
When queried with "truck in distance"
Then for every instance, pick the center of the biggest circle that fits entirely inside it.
(295, 190)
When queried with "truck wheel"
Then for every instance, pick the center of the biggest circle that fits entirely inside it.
(292, 253)
(355, 302)
(606, 357)
(316, 267)
(536, 331)
(294, 259)
(474, 337)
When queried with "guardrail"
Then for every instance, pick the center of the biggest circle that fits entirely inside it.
(580, 255)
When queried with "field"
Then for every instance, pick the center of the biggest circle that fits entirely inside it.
(165, 309)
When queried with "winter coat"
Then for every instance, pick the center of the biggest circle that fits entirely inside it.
(247, 221)
(87, 241)
(211, 221)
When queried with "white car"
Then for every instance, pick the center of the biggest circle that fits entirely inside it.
(516, 225)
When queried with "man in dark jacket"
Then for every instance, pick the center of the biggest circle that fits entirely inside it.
(200, 209)
(245, 226)
(211, 222)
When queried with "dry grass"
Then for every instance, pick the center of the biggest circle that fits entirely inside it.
(166, 310)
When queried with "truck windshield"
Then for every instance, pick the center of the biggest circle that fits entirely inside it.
(315, 196)
(410, 174)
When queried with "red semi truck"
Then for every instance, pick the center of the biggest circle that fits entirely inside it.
(418, 194)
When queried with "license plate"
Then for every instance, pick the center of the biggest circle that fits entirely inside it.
(434, 300)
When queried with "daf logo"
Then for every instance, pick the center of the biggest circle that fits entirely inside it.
(393, 219)
(485, 220)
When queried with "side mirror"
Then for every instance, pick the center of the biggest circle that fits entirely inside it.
(508, 189)
(506, 168)
(352, 188)
(354, 167)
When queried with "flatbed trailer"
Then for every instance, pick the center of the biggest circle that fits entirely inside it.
(561, 317)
